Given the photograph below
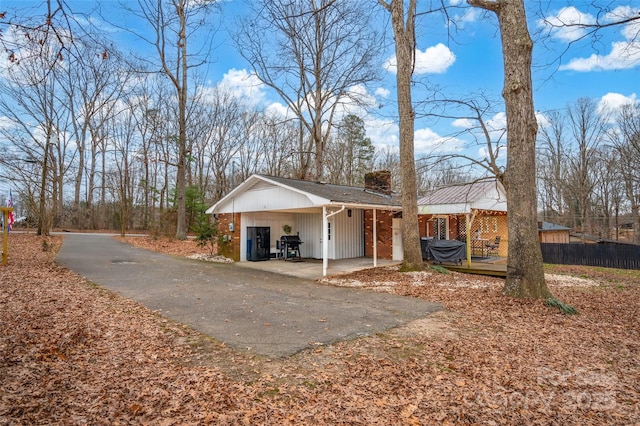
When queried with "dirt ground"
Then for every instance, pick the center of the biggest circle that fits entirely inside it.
(74, 353)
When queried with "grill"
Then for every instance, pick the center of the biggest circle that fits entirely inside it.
(443, 250)
(289, 246)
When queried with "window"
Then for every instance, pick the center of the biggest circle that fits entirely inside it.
(440, 228)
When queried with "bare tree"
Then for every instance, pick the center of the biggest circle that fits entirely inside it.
(552, 170)
(220, 141)
(588, 129)
(30, 100)
(174, 22)
(525, 275)
(608, 194)
(316, 53)
(278, 146)
(481, 132)
(626, 140)
(123, 149)
(91, 82)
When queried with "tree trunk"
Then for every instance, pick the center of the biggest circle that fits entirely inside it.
(405, 52)
(181, 226)
(43, 222)
(525, 274)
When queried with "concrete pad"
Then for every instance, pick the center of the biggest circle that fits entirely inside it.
(311, 269)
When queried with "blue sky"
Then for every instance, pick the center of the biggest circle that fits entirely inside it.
(568, 64)
(461, 61)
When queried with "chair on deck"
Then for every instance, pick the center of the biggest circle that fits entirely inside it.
(492, 248)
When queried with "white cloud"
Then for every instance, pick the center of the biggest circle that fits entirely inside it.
(483, 152)
(6, 123)
(428, 141)
(623, 54)
(542, 119)
(433, 60)
(496, 126)
(356, 100)
(613, 101)
(243, 85)
(498, 122)
(279, 110)
(463, 123)
(469, 13)
(382, 92)
(620, 13)
(566, 24)
(383, 133)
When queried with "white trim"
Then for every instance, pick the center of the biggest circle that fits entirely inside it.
(375, 239)
(325, 237)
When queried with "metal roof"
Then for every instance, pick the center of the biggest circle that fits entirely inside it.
(461, 193)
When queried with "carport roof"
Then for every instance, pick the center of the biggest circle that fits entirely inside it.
(339, 193)
(316, 193)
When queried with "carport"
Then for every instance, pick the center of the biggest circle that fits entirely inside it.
(317, 212)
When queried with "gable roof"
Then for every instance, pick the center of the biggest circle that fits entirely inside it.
(462, 198)
(292, 194)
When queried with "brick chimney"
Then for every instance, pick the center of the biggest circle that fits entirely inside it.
(379, 181)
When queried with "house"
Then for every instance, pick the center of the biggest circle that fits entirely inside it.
(553, 233)
(354, 221)
(474, 212)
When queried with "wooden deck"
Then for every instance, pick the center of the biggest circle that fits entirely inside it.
(494, 269)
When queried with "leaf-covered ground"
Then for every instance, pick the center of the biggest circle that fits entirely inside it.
(74, 353)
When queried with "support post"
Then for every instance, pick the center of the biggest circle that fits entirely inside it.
(468, 217)
(375, 239)
(5, 233)
(325, 237)
(325, 241)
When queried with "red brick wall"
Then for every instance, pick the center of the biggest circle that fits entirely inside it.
(230, 239)
(423, 224)
(384, 219)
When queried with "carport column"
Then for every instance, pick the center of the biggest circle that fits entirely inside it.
(470, 217)
(325, 237)
(325, 241)
(375, 240)
(468, 232)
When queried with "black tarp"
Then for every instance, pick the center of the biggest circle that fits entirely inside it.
(446, 250)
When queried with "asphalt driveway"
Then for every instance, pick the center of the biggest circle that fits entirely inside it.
(251, 310)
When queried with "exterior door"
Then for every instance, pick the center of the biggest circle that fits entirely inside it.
(396, 241)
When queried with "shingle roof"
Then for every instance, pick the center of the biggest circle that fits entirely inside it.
(458, 194)
(339, 193)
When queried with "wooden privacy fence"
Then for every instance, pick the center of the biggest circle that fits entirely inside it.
(622, 256)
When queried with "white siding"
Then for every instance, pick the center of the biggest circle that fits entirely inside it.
(273, 220)
(264, 198)
(348, 234)
(310, 227)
